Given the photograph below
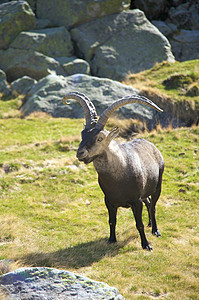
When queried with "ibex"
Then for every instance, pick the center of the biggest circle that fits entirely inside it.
(128, 174)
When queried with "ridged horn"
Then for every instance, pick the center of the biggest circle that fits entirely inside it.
(121, 102)
(88, 107)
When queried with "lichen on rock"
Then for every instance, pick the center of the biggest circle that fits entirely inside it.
(48, 283)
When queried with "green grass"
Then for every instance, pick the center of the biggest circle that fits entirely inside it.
(178, 81)
(53, 213)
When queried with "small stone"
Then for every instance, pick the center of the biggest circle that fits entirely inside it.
(182, 191)
(182, 153)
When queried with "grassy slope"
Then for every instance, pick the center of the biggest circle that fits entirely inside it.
(53, 214)
(185, 75)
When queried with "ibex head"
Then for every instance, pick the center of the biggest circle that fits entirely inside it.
(96, 139)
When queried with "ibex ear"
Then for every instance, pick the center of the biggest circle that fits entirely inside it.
(114, 133)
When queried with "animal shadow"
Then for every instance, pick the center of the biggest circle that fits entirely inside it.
(81, 255)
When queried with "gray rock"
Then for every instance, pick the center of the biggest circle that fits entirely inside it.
(120, 44)
(47, 95)
(4, 88)
(22, 85)
(69, 13)
(18, 63)
(73, 65)
(42, 23)
(48, 283)
(32, 4)
(173, 27)
(185, 45)
(163, 27)
(15, 16)
(49, 41)
(185, 15)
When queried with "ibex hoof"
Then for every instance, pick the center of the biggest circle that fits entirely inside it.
(148, 248)
(157, 233)
(111, 241)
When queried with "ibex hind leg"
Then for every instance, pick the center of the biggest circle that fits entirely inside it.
(154, 199)
(147, 202)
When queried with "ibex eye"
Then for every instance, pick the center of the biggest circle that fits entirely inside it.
(100, 139)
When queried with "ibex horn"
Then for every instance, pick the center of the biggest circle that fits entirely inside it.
(87, 105)
(121, 102)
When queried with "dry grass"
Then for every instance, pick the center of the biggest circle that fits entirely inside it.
(53, 212)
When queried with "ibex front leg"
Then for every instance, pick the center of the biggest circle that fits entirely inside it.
(112, 211)
(137, 211)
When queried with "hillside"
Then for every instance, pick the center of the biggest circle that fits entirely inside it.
(175, 86)
(53, 213)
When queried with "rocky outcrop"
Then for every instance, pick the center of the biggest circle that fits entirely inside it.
(178, 20)
(49, 41)
(71, 13)
(48, 283)
(102, 37)
(120, 44)
(113, 44)
(17, 63)
(185, 44)
(47, 94)
(15, 17)
(22, 85)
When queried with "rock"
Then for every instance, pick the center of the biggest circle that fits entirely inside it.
(22, 85)
(49, 41)
(182, 191)
(42, 23)
(48, 283)
(185, 44)
(185, 15)
(32, 4)
(153, 9)
(69, 13)
(163, 27)
(47, 95)
(120, 44)
(18, 63)
(4, 88)
(73, 65)
(15, 16)
(193, 90)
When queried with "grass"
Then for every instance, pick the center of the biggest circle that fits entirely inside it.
(53, 213)
(179, 81)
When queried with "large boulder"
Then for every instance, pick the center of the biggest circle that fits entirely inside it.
(120, 44)
(73, 65)
(69, 13)
(22, 85)
(47, 95)
(18, 63)
(15, 16)
(185, 15)
(48, 283)
(185, 44)
(49, 41)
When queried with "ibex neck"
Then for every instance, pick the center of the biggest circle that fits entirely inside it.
(112, 161)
